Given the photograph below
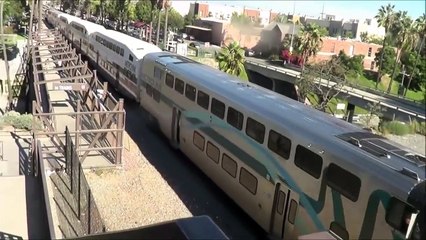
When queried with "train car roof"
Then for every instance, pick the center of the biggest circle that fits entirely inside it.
(90, 26)
(138, 47)
(275, 108)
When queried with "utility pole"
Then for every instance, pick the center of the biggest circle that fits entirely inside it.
(322, 12)
(294, 25)
(6, 63)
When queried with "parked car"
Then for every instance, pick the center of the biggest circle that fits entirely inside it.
(178, 38)
(249, 52)
(195, 44)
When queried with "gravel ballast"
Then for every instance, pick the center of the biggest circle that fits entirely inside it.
(136, 194)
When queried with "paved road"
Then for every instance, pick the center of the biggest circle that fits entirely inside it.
(197, 192)
(389, 102)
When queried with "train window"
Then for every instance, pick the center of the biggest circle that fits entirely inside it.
(130, 57)
(170, 80)
(235, 118)
(203, 99)
(229, 165)
(308, 161)
(149, 90)
(279, 144)
(156, 95)
(339, 230)
(255, 130)
(343, 181)
(122, 52)
(158, 73)
(190, 92)
(213, 152)
(280, 202)
(179, 86)
(218, 108)
(398, 215)
(248, 180)
(292, 212)
(198, 141)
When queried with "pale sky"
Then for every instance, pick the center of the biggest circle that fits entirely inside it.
(342, 9)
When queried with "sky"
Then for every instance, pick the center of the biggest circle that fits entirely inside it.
(342, 9)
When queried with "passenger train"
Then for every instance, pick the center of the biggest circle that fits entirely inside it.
(292, 169)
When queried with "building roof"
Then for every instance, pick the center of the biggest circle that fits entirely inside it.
(286, 28)
(197, 27)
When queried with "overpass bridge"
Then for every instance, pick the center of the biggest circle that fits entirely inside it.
(276, 78)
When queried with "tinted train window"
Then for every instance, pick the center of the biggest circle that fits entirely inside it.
(229, 165)
(280, 202)
(179, 85)
(130, 57)
(248, 180)
(308, 161)
(255, 130)
(158, 73)
(218, 108)
(156, 95)
(190, 92)
(292, 212)
(170, 80)
(343, 181)
(198, 141)
(122, 52)
(203, 99)
(235, 118)
(279, 144)
(149, 90)
(213, 152)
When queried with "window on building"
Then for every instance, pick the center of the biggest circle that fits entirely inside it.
(179, 85)
(229, 165)
(198, 141)
(372, 65)
(369, 51)
(255, 130)
(248, 180)
(279, 144)
(170, 80)
(190, 92)
(343, 181)
(203, 99)
(218, 108)
(235, 118)
(308, 161)
(212, 152)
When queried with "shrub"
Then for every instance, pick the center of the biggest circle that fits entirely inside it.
(274, 57)
(19, 121)
(418, 127)
(397, 128)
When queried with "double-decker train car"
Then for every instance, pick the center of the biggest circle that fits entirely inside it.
(116, 55)
(293, 169)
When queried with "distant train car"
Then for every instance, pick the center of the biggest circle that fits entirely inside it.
(81, 33)
(293, 169)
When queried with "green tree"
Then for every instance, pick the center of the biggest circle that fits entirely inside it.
(385, 17)
(309, 41)
(231, 59)
(420, 28)
(401, 29)
(387, 56)
(281, 18)
(240, 19)
(143, 11)
(364, 36)
(175, 20)
(190, 18)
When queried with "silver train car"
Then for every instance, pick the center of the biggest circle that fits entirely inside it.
(292, 169)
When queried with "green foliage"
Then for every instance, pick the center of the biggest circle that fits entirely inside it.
(388, 59)
(231, 59)
(274, 57)
(364, 36)
(419, 127)
(16, 120)
(189, 19)
(309, 41)
(281, 18)
(240, 19)
(175, 20)
(352, 64)
(12, 8)
(397, 128)
(143, 10)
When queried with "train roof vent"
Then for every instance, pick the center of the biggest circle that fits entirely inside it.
(409, 173)
(181, 59)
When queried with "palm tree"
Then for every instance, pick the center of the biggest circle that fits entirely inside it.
(309, 42)
(400, 30)
(364, 36)
(231, 59)
(420, 28)
(385, 18)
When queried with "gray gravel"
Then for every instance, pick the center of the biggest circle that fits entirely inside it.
(135, 195)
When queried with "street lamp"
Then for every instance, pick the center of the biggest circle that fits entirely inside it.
(401, 87)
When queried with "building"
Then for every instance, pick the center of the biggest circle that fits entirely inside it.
(332, 46)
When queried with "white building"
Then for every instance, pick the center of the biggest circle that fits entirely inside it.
(223, 12)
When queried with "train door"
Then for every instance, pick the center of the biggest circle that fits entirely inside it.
(175, 127)
(284, 212)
